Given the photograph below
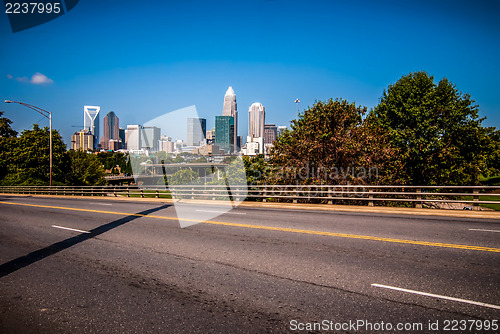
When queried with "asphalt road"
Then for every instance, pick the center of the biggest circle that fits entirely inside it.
(127, 267)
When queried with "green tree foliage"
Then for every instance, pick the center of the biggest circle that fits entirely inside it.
(184, 176)
(257, 169)
(86, 169)
(28, 158)
(7, 143)
(331, 144)
(436, 130)
(5, 128)
(110, 161)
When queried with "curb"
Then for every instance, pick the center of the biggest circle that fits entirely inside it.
(297, 206)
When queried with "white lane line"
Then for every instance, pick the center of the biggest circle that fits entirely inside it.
(102, 204)
(70, 229)
(233, 213)
(437, 296)
(479, 229)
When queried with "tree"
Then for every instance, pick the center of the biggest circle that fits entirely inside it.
(184, 176)
(29, 159)
(436, 130)
(331, 144)
(7, 142)
(5, 129)
(86, 169)
(257, 169)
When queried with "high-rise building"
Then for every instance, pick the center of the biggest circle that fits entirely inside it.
(150, 138)
(224, 133)
(256, 120)
(82, 140)
(111, 131)
(133, 137)
(270, 133)
(121, 134)
(196, 130)
(91, 121)
(230, 109)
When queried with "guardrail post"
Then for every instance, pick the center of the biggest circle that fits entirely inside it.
(475, 206)
(157, 194)
(142, 193)
(128, 191)
(265, 194)
(418, 204)
(295, 192)
(370, 196)
(329, 194)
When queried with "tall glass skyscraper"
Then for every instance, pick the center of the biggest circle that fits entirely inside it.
(91, 121)
(230, 109)
(110, 130)
(196, 130)
(224, 133)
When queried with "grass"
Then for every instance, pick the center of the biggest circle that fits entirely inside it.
(495, 207)
(490, 181)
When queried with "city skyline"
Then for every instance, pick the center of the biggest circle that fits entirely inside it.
(196, 130)
(295, 51)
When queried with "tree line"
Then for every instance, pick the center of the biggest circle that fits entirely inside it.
(24, 159)
(420, 133)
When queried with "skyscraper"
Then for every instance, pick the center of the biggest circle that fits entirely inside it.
(133, 137)
(91, 121)
(110, 131)
(270, 133)
(196, 130)
(150, 138)
(256, 118)
(224, 133)
(230, 109)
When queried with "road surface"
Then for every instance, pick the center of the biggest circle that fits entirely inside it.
(103, 266)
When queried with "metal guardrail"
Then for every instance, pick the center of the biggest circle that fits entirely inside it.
(331, 194)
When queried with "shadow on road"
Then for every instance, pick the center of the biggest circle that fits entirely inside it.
(24, 261)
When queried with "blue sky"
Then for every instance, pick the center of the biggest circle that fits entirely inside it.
(142, 59)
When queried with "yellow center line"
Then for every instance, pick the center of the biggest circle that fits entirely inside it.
(281, 229)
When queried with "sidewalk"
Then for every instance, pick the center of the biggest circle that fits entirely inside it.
(297, 206)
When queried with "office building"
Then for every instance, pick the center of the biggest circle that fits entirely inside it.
(133, 137)
(91, 121)
(224, 133)
(230, 109)
(196, 130)
(111, 131)
(150, 138)
(82, 140)
(121, 134)
(270, 133)
(256, 120)
(253, 146)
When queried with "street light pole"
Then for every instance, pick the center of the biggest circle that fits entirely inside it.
(47, 114)
(297, 101)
